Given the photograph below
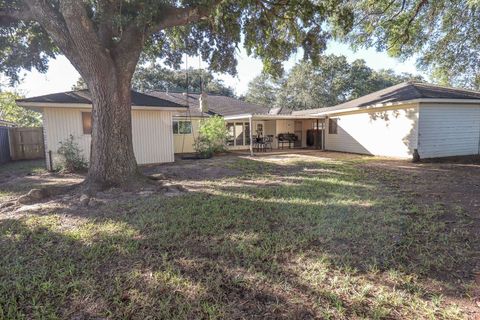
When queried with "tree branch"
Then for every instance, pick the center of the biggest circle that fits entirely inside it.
(11, 15)
(174, 17)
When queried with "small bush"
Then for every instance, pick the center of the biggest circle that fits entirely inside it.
(73, 160)
(212, 137)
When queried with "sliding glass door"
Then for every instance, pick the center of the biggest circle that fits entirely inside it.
(238, 134)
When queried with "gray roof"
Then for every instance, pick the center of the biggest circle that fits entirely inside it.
(219, 105)
(401, 92)
(83, 97)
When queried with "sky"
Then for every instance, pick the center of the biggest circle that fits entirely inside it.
(62, 75)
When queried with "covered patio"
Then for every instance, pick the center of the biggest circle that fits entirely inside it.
(268, 132)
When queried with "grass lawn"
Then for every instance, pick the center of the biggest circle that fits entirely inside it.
(298, 238)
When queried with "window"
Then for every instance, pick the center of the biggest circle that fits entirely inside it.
(332, 126)
(231, 134)
(320, 124)
(87, 122)
(247, 133)
(238, 134)
(259, 129)
(182, 127)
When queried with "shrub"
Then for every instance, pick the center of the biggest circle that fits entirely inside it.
(212, 137)
(73, 160)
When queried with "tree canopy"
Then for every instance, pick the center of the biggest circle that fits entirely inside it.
(271, 30)
(156, 77)
(331, 82)
(10, 111)
(443, 35)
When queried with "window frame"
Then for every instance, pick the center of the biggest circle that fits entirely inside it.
(178, 127)
(332, 125)
(87, 115)
(245, 133)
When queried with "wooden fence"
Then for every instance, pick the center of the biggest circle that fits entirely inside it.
(26, 143)
(4, 145)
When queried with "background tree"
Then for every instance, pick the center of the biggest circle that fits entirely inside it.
(104, 39)
(79, 85)
(263, 90)
(9, 111)
(331, 82)
(443, 35)
(156, 77)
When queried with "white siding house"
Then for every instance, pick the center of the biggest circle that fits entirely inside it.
(382, 132)
(448, 130)
(407, 120)
(404, 120)
(69, 113)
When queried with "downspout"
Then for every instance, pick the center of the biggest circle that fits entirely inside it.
(250, 134)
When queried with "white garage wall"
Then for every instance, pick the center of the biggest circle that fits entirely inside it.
(152, 133)
(448, 130)
(58, 124)
(184, 143)
(384, 132)
(152, 136)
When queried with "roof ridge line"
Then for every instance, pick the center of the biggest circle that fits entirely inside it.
(426, 84)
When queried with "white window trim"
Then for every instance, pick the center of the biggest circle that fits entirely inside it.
(178, 133)
(245, 136)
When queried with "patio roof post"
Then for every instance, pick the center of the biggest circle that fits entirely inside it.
(250, 134)
(323, 133)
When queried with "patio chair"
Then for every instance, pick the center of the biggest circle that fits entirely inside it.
(268, 142)
(259, 144)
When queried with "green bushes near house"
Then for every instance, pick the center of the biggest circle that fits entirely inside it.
(212, 137)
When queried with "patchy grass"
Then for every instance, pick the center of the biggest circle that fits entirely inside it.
(19, 177)
(15, 169)
(23, 167)
(292, 238)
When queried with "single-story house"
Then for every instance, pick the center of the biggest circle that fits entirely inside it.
(410, 117)
(404, 120)
(186, 124)
(69, 113)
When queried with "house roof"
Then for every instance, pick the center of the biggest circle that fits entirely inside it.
(217, 104)
(398, 93)
(7, 123)
(83, 97)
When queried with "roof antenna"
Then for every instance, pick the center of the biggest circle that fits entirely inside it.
(203, 103)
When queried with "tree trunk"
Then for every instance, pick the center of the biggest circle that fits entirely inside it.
(112, 161)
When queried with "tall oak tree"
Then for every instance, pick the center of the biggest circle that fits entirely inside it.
(104, 40)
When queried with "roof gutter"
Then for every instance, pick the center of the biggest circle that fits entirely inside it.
(397, 104)
(268, 116)
(40, 105)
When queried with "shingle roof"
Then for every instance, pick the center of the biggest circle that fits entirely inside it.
(220, 105)
(83, 97)
(401, 92)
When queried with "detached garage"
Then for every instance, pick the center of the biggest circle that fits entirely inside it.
(405, 119)
(70, 113)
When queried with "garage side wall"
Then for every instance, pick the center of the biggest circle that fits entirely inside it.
(448, 130)
(385, 132)
(152, 134)
(184, 143)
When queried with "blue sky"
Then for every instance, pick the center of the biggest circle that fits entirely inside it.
(62, 75)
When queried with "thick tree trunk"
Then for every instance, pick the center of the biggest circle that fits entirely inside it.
(112, 161)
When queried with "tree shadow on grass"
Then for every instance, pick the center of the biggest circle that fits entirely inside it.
(327, 245)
